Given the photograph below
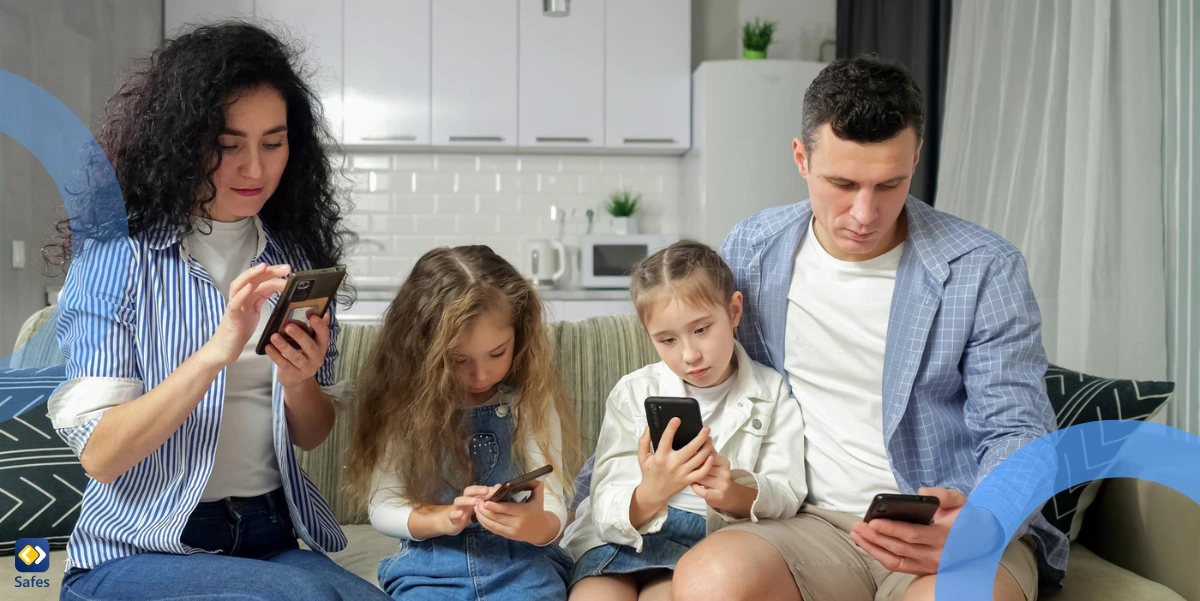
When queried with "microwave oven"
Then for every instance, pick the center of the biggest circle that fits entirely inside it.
(607, 260)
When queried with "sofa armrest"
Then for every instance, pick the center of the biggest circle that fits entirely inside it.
(1148, 529)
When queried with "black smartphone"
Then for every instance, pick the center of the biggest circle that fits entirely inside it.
(307, 292)
(914, 509)
(525, 482)
(660, 410)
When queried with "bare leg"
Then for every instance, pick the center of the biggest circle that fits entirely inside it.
(734, 566)
(604, 588)
(658, 589)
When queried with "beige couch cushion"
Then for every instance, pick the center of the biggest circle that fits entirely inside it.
(1090, 578)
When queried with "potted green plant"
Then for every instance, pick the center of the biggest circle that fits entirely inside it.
(622, 204)
(756, 36)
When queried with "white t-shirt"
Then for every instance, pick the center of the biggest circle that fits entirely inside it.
(245, 464)
(836, 335)
(712, 407)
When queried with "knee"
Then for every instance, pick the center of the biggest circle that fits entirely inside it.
(708, 572)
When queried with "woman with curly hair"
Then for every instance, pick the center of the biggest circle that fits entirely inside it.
(216, 143)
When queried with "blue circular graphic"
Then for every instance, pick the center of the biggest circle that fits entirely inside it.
(1021, 484)
(69, 152)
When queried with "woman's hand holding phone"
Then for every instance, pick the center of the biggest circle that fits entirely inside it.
(666, 472)
(527, 522)
(297, 365)
(247, 295)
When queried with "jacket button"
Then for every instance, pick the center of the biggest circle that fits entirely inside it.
(502, 410)
(757, 424)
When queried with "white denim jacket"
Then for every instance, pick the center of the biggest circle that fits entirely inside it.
(761, 433)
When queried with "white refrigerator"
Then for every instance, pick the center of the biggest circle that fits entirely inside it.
(745, 114)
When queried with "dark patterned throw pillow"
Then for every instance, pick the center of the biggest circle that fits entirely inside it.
(41, 480)
(1079, 398)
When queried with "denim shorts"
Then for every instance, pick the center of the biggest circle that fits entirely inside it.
(660, 550)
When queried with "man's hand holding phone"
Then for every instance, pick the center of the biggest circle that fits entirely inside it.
(527, 522)
(666, 472)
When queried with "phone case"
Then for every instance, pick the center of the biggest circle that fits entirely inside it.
(524, 482)
(660, 410)
(312, 290)
(914, 509)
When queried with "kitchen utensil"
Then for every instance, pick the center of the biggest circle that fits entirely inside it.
(546, 261)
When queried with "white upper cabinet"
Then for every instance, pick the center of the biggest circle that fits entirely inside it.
(475, 73)
(648, 74)
(562, 76)
(315, 26)
(179, 13)
(387, 57)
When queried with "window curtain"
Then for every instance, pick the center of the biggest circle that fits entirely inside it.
(1053, 138)
(1180, 21)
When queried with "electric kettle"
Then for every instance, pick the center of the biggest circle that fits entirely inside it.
(545, 262)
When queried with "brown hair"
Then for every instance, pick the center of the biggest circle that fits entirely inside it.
(687, 271)
(408, 418)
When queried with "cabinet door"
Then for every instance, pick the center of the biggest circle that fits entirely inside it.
(475, 73)
(316, 27)
(179, 13)
(562, 76)
(387, 48)
(648, 74)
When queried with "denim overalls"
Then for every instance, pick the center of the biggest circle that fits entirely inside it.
(477, 565)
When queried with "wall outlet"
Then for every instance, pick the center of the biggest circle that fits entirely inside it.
(18, 254)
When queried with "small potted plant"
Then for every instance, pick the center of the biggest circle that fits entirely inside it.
(622, 204)
(756, 36)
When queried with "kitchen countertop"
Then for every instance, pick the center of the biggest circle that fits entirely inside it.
(387, 293)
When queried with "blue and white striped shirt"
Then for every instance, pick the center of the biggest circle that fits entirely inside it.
(131, 311)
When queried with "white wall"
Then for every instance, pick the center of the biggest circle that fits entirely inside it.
(74, 50)
(421, 201)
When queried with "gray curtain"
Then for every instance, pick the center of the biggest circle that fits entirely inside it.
(915, 33)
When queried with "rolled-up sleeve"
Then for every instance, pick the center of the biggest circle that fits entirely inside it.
(97, 334)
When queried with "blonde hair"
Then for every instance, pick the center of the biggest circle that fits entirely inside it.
(408, 416)
(686, 271)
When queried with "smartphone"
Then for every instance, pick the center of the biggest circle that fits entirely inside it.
(914, 509)
(306, 292)
(525, 482)
(660, 410)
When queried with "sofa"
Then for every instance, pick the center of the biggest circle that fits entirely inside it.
(1140, 541)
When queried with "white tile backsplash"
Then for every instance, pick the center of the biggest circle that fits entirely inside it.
(406, 204)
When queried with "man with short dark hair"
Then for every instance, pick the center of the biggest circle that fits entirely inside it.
(911, 340)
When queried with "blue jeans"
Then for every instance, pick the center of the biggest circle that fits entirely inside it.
(478, 565)
(257, 559)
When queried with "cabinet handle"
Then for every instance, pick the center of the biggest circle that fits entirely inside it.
(649, 140)
(541, 139)
(476, 138)
(389, 138)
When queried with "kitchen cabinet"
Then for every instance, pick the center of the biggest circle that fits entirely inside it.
(561, 75)
(474, 73)
(648, 75)
(388, 48)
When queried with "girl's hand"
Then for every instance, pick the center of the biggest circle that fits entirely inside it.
(247, 294)
(665, 471)
(719, 490)
(527, 522)
(298, 365)
(458, 514)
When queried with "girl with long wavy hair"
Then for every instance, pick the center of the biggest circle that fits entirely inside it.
(459, 395)
(217, 144)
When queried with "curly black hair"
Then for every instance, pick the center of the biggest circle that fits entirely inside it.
(863, 99)
(160, 136)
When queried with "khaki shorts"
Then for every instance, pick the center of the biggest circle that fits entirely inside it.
(828, 566)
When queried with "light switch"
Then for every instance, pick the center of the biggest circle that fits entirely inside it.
(18, 261)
